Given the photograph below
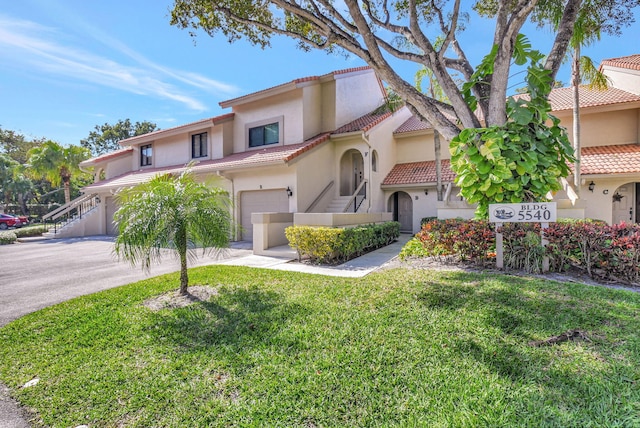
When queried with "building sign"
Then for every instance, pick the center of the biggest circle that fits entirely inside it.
(523, 212)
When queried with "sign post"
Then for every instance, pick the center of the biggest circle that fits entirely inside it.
(522, 212)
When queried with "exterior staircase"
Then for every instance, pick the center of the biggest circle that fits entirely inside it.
(337, 205)
(66, 220)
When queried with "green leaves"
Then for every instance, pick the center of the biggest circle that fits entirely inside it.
(521, 160)
(171, 212)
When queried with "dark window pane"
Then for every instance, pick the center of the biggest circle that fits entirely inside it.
(271, 134)
(263, 135)
(256, 137)
(146, 153)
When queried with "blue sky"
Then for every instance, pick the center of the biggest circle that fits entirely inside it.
(68, 65)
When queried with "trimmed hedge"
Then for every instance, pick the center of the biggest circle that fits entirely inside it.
(328, 245)
(35, 230)
(7, 237)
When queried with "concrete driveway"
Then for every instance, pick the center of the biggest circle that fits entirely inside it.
(41, 273)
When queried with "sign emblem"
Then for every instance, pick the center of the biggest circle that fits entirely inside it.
(503, 213)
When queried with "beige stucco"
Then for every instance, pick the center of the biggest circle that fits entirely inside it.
(602, 128)
(418, 146)
(623, 78)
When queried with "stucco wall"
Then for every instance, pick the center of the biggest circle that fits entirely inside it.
(118, 166)
(314, 171)
(418, 148)
(381, 140)
(604, 128)
(624, 79)
(362, 87)
(287, 106)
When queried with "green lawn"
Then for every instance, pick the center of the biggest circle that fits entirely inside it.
(397, 348)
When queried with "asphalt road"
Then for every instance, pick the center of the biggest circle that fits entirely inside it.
(41, 273)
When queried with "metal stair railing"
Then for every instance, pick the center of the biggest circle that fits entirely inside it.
(357, 198)
(75, 209)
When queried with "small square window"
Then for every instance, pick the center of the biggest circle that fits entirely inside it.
(199, 145)
(264, 135)
(146, 155)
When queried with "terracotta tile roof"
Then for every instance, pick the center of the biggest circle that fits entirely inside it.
(413, 124)
(417, 173)
(363, 123)
(106, 156)
(618, 159)
(631, 62)
(562, 98)
(212, 120)
(268, 156)
(294, 82)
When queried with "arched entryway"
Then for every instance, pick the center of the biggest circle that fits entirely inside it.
(626, 204)
(401, 205)
(351, 172)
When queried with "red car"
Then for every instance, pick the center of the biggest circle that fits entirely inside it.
(7, 221)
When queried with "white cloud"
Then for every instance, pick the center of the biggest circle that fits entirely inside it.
(42, 50)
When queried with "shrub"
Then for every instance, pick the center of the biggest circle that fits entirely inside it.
(608, 252)
(414, 248)
(522, 246)
(27, 231)
(470, 240)
(334, 245)
(7, 237)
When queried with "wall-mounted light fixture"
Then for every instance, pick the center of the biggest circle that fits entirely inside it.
(592, 186)
(289, 192)
(426, 192)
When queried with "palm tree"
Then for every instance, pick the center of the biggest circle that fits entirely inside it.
(582, 67)
(57, 164)
(171, 212)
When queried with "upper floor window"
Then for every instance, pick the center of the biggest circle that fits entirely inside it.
(264, 135)
(199, 145)
(146, 155)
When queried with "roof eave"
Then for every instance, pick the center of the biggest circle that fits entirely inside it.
(412, 185)
(163, 133)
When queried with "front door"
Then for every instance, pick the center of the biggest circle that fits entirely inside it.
(624, 203)
(402, 208)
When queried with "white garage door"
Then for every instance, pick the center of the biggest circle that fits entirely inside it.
(260, 201)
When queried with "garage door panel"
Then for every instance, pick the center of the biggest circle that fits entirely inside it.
(260, 201)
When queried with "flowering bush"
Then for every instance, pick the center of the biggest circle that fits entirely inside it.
(472, 240)
(600, 250)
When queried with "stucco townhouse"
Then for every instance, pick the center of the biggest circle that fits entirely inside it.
(317, 149)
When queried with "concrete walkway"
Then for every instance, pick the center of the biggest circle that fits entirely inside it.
(17, 285)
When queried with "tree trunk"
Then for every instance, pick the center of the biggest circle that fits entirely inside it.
(67, 192)
(22, 200)
(436, 145)
(66, 182)
(575, 86)
(181, 245)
